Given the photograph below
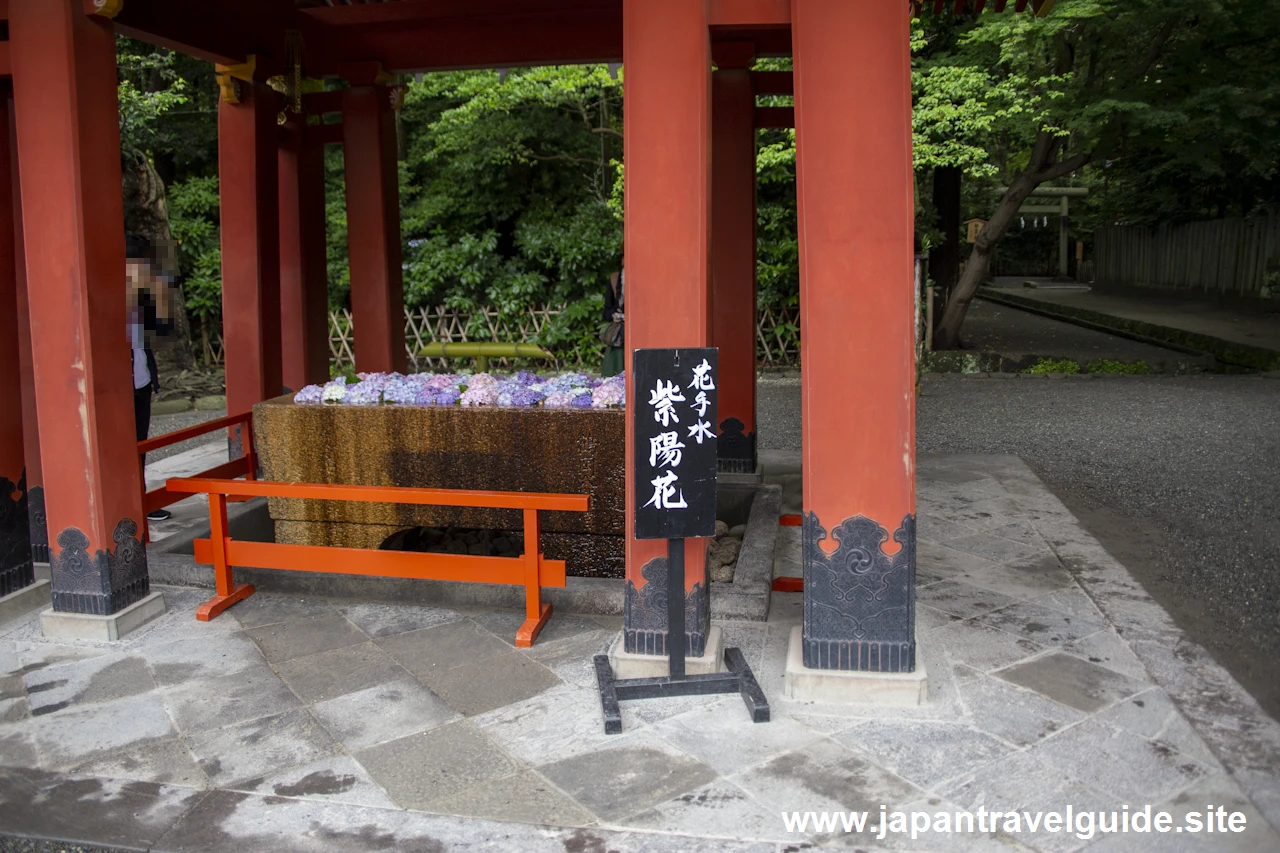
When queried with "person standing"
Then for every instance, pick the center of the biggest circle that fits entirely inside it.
(148, 315)
(614, 336)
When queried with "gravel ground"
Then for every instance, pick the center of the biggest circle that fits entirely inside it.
(161, 424)
(1179, 477)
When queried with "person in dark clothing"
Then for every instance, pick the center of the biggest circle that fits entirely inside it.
(614, 334)
(148, 315)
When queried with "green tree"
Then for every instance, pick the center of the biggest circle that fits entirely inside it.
(1097, 81)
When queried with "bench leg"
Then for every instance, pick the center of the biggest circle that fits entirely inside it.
(536, 613)
(228, 592)
(219, 603)
(529, 630)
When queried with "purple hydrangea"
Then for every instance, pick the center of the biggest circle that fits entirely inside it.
(526, 377)
(401, 393)
(480, 395)
(367, 392)
(310, 394)
(607, 395)
(558, 400)
(582, 401)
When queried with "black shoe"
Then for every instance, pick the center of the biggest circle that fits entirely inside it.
(159, 515)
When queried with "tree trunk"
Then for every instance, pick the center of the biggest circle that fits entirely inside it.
(146, 213)
(1040, 168)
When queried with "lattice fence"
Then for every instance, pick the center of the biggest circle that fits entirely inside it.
(777, 335)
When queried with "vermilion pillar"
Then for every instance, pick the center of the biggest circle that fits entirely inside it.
(64, 79)
(30, 422)
(667, 92)
(15, 540)
(854, 195)
(373, 227)
(304, 294)
(247, 181)
(733, 252)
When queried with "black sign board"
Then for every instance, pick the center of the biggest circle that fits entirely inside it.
(674, 412)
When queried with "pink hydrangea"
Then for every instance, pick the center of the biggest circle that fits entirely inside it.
(559, 400)
(480, 395)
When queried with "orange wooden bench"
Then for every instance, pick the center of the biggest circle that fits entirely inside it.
(162, 497)
(530, 569)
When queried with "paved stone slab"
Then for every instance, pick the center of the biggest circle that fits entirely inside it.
(1040, 624)
(284, 641)
(196, 657)
(1072, 681)
(1153, 715)
(550, 726)
(18, 747)
(333, 779)
(824, 776)
(386, 712)
(937, 558)
(493, 683)
(505, 623)
(318, 677)
(429, 766)
(1119, 762)
(1073, 602)
(997, 549)
(209, 703)
(235, 754)
(230, 822)
(923, 752)
(962, 599)
(96, 679)
(1023, 578)
(571, 659)
(441, 647)
(66, 738)
(621, 781)
(1019, 716)
(720, 809)
(982, 647)
(167, 762)
(266, 609)
(1019, 782)
(1106, 648)
(928, 618)
(723, 736)
(132, 814)
(386, 620)
(526, 797)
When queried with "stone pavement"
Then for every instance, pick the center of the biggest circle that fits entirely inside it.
(319, 725)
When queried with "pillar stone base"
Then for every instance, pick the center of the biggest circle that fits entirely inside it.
(893, 689)
(43, 571)
(23, 601)
(81, 626)
(635, 665)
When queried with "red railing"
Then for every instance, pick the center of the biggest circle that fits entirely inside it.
(245, 465)
(531, 568)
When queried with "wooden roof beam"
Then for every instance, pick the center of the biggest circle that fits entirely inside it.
(221, 31)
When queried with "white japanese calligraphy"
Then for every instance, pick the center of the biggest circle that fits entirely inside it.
(664, 398)
(702, 377)
(664, 450)
(701, 430)
(664, 493)
(701, 403)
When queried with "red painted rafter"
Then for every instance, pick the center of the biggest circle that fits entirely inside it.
(223, 31)
(775, 117)
(748, 14)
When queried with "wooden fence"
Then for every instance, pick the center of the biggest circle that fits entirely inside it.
(777, 336)
(1225, 256)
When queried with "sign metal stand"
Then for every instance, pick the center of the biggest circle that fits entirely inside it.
(691, 518)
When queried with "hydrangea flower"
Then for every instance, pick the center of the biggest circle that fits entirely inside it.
(526, 377)
(480, 380)
(447, 397)
(607, 394)
(401, 393)
(582, 401)
(558, 400)
(367, 392)
(480, 395)
(335, 390)
(310, 394)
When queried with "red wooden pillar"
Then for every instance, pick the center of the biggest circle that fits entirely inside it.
(854, 195)
(373, 221)
(733, 251)
(304, 292)
(30, 422)
(667, 88)
(64, 80)
(247, 182)
(16, 570)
